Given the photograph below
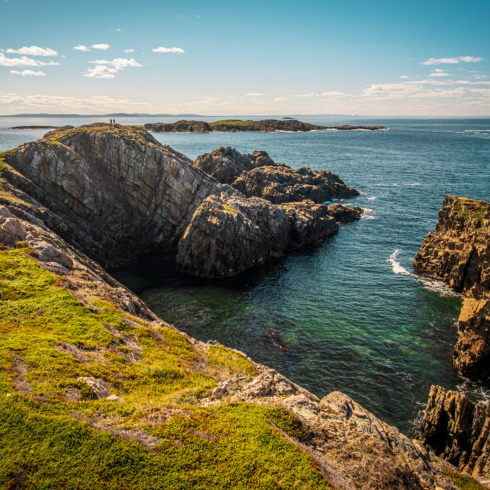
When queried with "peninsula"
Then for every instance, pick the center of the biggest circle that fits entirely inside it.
(237, 125)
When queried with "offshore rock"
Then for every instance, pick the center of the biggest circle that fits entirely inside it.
(457, 430)
(458, 251)
(229, 234)
(282, 184)
(344, 214)
(116, 192)
(257, 175)
(179, 127)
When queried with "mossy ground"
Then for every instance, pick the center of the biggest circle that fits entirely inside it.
(471, 209)
(463, 482)
(48, 442)
(232, 122)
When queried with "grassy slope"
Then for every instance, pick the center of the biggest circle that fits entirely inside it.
(47, 442)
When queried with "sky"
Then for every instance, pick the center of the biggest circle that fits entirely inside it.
(269, 57)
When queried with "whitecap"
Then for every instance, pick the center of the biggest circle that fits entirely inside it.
(371, 198)
(416, 183)
(397, 267)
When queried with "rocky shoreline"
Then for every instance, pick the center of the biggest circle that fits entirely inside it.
(87, 368)
(234, 126)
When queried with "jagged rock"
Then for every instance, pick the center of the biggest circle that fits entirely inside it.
(229, 234)
(458, 251)
(302, 405)
(179, 127)
(310, 223)
(344, 214)
(120, 192)
(471, 356)
(280, 184)
(457, 430)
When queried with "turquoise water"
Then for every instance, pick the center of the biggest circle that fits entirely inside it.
(351, 315)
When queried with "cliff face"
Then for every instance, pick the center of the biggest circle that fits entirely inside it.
(120, 192)
(458, 251)
(458, 430)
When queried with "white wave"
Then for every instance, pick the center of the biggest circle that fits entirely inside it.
(371, 198)
(416, 183)
(397, 267)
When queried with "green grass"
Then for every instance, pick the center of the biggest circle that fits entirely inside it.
(463, 482)
(44, 444)
(232, 122)
(471, 209)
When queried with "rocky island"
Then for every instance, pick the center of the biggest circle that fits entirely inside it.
(96, 391)
(237, 125)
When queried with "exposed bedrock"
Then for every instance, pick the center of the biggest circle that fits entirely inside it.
(179, 127)
(457, 430)
(458, 251)
(119, 192)
(257, 175)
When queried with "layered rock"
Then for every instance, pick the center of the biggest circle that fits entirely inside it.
(118, 191)
(229, 234)
(457, 430)
(257, 175)
(458, 251)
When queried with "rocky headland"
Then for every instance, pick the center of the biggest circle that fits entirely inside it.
(458, 252)
(97, 392)
(237, 125)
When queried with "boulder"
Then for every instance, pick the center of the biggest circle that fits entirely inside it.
(344, 214)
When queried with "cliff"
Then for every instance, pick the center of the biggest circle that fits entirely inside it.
(237, 125)
(457, 430)
(458, 251)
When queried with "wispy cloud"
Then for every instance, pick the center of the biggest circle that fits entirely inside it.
(312, 94)
(439, 73)
(23, 61)
(279, 99)
(336, 94)
(254, 94)
(28, 73)
(118, 30)
(117, 63)
(168, 50)
(404, 76)
(129, 50)
(81, 47)
(450, 61)
(102, 47)
(34, 51)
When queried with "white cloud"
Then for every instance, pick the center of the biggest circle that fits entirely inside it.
(439, 73)
(118, 30)
(117, 63)
(102, 47)
(23, 61)
(254, 94)
(335, 94)
(81, 47)
(438, 70)
(404, 76)
(279, 99)
(28, 73)
(129, 50)
(465, 59)
(101, 71)
(34, 51)
(168, 50)
(311, 94)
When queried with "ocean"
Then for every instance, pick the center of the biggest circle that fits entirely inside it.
(351, 315)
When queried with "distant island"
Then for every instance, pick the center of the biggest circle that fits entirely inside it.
(34, 127)
(236, 125)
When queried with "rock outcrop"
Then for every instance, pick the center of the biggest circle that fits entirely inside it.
(179, 127)
(458, 251)
(458, 430)
(257, 175)
(119, 192)
(344, 214)
(236, 125)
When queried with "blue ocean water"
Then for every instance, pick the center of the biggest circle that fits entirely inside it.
(351, 315)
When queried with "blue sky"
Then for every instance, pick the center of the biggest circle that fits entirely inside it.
(255, 57)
